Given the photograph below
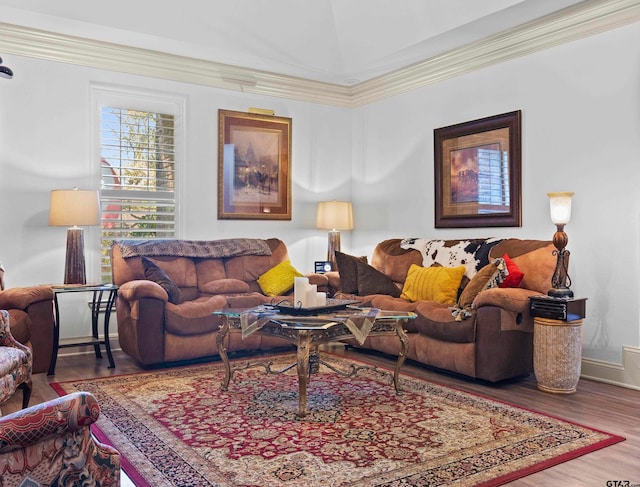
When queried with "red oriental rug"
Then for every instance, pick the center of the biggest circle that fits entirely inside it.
(175, 427)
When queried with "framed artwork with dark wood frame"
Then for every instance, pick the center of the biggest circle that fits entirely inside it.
(254, 166)
(478, 173)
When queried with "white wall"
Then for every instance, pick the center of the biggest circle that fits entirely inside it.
(580, 107)
(45, 141)
(581, 132)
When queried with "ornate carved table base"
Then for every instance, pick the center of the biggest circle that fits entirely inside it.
(307, 339)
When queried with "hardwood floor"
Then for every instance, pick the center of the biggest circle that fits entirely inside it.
(597, 405)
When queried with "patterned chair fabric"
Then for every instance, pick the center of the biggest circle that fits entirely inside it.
(51, 444)
(15, 364)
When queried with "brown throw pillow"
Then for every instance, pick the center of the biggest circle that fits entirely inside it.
(157, 275)
(348, 269)
(489, 276)
(372, 281)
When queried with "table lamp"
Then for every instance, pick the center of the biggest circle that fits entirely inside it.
(560, 206)
(334, 216)
(72, 208)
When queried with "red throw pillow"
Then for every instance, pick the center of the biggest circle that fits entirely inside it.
(515, 274)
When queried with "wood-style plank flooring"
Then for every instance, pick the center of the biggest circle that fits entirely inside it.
(598, 405)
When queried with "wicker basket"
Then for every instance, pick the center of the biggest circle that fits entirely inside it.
(557, 354)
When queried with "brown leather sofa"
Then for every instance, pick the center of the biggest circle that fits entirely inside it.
(31, 313)
(154, 330)
(495, 341)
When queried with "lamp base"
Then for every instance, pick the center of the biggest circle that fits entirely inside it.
(334, 246)
(74, 268)
(564, 292)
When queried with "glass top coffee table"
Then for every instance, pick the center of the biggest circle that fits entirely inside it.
(308, 333)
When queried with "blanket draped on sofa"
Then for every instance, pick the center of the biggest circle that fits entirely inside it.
(204, 249)
(473, 254)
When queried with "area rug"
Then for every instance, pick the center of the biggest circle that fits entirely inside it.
(175, 427)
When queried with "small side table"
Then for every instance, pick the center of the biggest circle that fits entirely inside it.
(557, 342)
(110, 291)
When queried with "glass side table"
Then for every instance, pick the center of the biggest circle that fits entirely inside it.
(102, 294)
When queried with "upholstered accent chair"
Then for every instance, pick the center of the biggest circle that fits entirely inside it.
(15, 364)
(51, 444)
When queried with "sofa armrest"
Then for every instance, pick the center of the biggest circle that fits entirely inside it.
(23, 297)
(140, 289)
(510, 299)
(320, 280)
(50, 419)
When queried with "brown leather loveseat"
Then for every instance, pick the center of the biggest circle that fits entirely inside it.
(154, 327)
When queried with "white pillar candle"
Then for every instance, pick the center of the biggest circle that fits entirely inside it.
(300, 285)
(321, 299)
(312, 291)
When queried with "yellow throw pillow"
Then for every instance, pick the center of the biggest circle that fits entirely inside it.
(279, 279)
(439, 284)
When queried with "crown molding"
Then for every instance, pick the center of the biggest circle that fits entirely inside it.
(570, 24)
(80, 51)
(581, 20)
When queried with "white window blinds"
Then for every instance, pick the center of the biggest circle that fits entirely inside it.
(138, 177)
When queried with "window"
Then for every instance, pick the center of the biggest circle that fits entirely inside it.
(138, 168)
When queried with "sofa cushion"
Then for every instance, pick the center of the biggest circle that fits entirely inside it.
(534, 257)
(279, 279)
(225, 286)
(388, 257)
(249, 268)
(154, 273)
(439, 284)
(194, 317)
(514, 274)
(208, 270)
(434, 319)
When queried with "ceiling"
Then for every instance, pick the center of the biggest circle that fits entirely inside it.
(343, 42)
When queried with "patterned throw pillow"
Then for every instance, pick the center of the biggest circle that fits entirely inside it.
(154, 273)
(279, 279)
(439, 284)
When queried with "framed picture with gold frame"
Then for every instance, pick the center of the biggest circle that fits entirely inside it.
(254, 166)
(478, 173)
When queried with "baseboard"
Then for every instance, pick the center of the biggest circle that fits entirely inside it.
(626, 374)
(85, 349)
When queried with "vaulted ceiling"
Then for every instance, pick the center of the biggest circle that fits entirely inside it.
(337, 41)
(347, 44)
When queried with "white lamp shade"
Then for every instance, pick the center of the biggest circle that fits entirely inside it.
(335, 215)
(74, 207)
(560, 206)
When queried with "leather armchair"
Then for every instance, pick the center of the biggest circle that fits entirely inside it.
(52, 444)
(31, 312)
